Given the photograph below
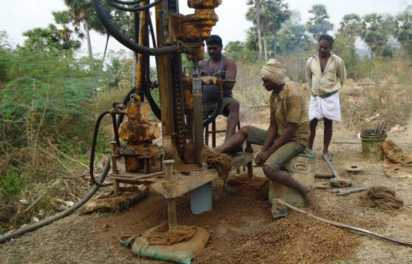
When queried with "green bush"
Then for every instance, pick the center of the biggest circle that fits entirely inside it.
(11, 184)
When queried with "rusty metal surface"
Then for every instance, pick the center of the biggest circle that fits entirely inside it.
(203, 3)
(137, 129)
(140, 154)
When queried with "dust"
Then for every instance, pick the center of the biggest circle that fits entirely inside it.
(395, 154)
(161, 236)
(113, 202)
(383, 198)
(294, 239)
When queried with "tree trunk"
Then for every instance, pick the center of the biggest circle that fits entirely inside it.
(265, 49)
(259, 28)
(105, 48)
(89, 42)
(274, 41)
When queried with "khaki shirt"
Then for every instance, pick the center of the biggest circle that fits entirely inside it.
(328, 81)
(289, 107)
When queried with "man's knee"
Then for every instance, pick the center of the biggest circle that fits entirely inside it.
(313, 123)
(270, 171)
(245, 130)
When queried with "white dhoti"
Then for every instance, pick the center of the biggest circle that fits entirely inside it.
(328, 108)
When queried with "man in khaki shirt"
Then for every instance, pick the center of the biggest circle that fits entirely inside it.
(325, 73)
(288, 131)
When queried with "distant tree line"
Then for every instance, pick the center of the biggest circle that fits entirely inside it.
(277, 30)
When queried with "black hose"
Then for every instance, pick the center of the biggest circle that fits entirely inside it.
(93, 150)
(133, 9)
(67, 212)
(105, 18)
(115, 129)
(127, 2)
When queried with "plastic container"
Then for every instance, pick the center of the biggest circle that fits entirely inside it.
(372, 144)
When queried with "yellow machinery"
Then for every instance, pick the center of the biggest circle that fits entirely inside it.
(135, 158)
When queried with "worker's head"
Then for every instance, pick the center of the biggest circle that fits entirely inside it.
(214, 47)
(273, 75)
(325, 45)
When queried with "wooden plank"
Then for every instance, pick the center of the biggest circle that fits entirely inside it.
(183, 184)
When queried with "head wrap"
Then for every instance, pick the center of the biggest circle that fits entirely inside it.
(274, 71)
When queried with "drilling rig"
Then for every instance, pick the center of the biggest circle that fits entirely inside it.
(164, 40)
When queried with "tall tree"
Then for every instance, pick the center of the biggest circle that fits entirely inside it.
(292, 37)
(376, 31)
(319, 22)
(351, 27)
(4, 57)
(259, 27)
(51, 39)
(403, 31)
(81, 13)
(273, 13)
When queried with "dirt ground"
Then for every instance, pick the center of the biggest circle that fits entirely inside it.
(240, 225)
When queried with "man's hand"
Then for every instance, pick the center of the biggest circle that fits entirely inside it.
(209, 80)
(261, 158)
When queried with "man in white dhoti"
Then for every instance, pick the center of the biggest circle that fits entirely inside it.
(325, 73)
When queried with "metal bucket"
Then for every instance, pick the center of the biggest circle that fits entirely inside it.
(372, 144)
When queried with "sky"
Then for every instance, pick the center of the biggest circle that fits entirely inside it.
(19, 16)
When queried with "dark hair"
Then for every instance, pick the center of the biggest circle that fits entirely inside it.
(327, 38)
(214, 40)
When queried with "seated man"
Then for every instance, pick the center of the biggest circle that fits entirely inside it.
(223, 69)
(288, 132)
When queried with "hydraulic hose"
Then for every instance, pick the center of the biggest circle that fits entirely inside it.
(127, 2)
(105, 18)
(133, 9)
(67, 212)
(93, 150)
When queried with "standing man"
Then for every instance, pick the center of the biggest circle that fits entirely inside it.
(288, 131)
(325, 73)
(223, 69)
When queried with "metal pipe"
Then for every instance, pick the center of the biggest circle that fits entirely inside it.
(171, 203)
(197, 115)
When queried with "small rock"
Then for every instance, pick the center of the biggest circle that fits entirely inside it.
(69, 203)
(397, 128)
(24, 201)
